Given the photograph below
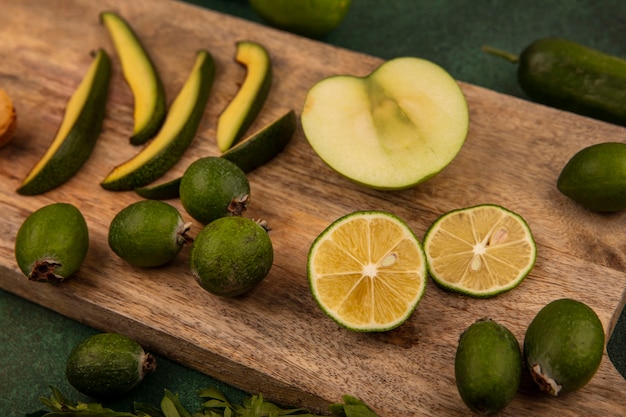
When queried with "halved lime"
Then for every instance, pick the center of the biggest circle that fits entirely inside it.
(480, 251)
(367, 271)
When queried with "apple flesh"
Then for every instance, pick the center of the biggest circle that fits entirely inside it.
(392, 129)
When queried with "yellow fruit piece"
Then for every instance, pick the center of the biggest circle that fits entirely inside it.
(480, 251)
(367, 271)
(8, 118)
(247, 103)
(141, 75)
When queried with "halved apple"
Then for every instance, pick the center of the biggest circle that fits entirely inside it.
(392, 129)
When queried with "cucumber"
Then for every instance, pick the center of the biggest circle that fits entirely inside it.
(174, 137)
(569, 76)
(77, 135)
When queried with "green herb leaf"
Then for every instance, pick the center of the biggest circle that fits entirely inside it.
(172, 407)
(352, 407)
(146, 410)
(39, 413)
(62, 407)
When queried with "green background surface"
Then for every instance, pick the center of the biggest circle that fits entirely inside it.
(35, 342)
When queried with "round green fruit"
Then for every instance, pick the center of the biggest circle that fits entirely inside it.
(313, 18)
(213, 187)
(51, 244)
(595, 177)
(148, 233)
(108, 365)
(231, 255)
(487, 367)
(563, 346)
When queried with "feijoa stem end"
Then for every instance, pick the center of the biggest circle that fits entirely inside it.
(545, 382)
(149, 364)
(43, 271)
(238, 205)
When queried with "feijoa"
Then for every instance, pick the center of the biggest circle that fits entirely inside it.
(563, 346)
(148, 233)
(488, 366)
(595, 177)
(231, 255)
(108, 365)
(52, 242)
(213, 187)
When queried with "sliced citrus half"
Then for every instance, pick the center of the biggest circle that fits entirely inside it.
(367, 271)
(480, 251)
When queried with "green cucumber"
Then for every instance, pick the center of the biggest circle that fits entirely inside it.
(572, 77)
(247, 103)
(77, 135)
(141, 76)
(175, 136)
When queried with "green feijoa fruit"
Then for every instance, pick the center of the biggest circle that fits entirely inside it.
(595, 177)
(148, 233)
(213, 187)
(52, 242)
(231, 255)
(488, 366)
(108, 365)
(563, 346)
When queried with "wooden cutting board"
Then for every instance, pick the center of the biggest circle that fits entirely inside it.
(275, 340)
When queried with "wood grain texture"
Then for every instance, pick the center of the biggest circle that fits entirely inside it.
(275, 340)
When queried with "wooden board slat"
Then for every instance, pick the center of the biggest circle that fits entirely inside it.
(275, 340)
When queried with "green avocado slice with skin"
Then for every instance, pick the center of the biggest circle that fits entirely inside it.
(141, 75)
(247, 103)
(263, 145)
(78, 132)
(251, 153)
(175, 136)
(163, 191)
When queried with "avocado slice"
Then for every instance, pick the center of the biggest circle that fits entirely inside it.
(263, 145)
(142, 78)
(77, 135)
(247, 103)
(176, 134)
(254, 151)
(163, 191)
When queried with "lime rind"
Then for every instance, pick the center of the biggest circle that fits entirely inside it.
(492, 291)
(422, 271)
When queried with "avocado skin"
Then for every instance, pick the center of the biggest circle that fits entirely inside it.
(566, 339)
(176, 145)
(488, 366)
(79, 143)
(160, 106)
(264, 145)
(107, 365)
(569, 76)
